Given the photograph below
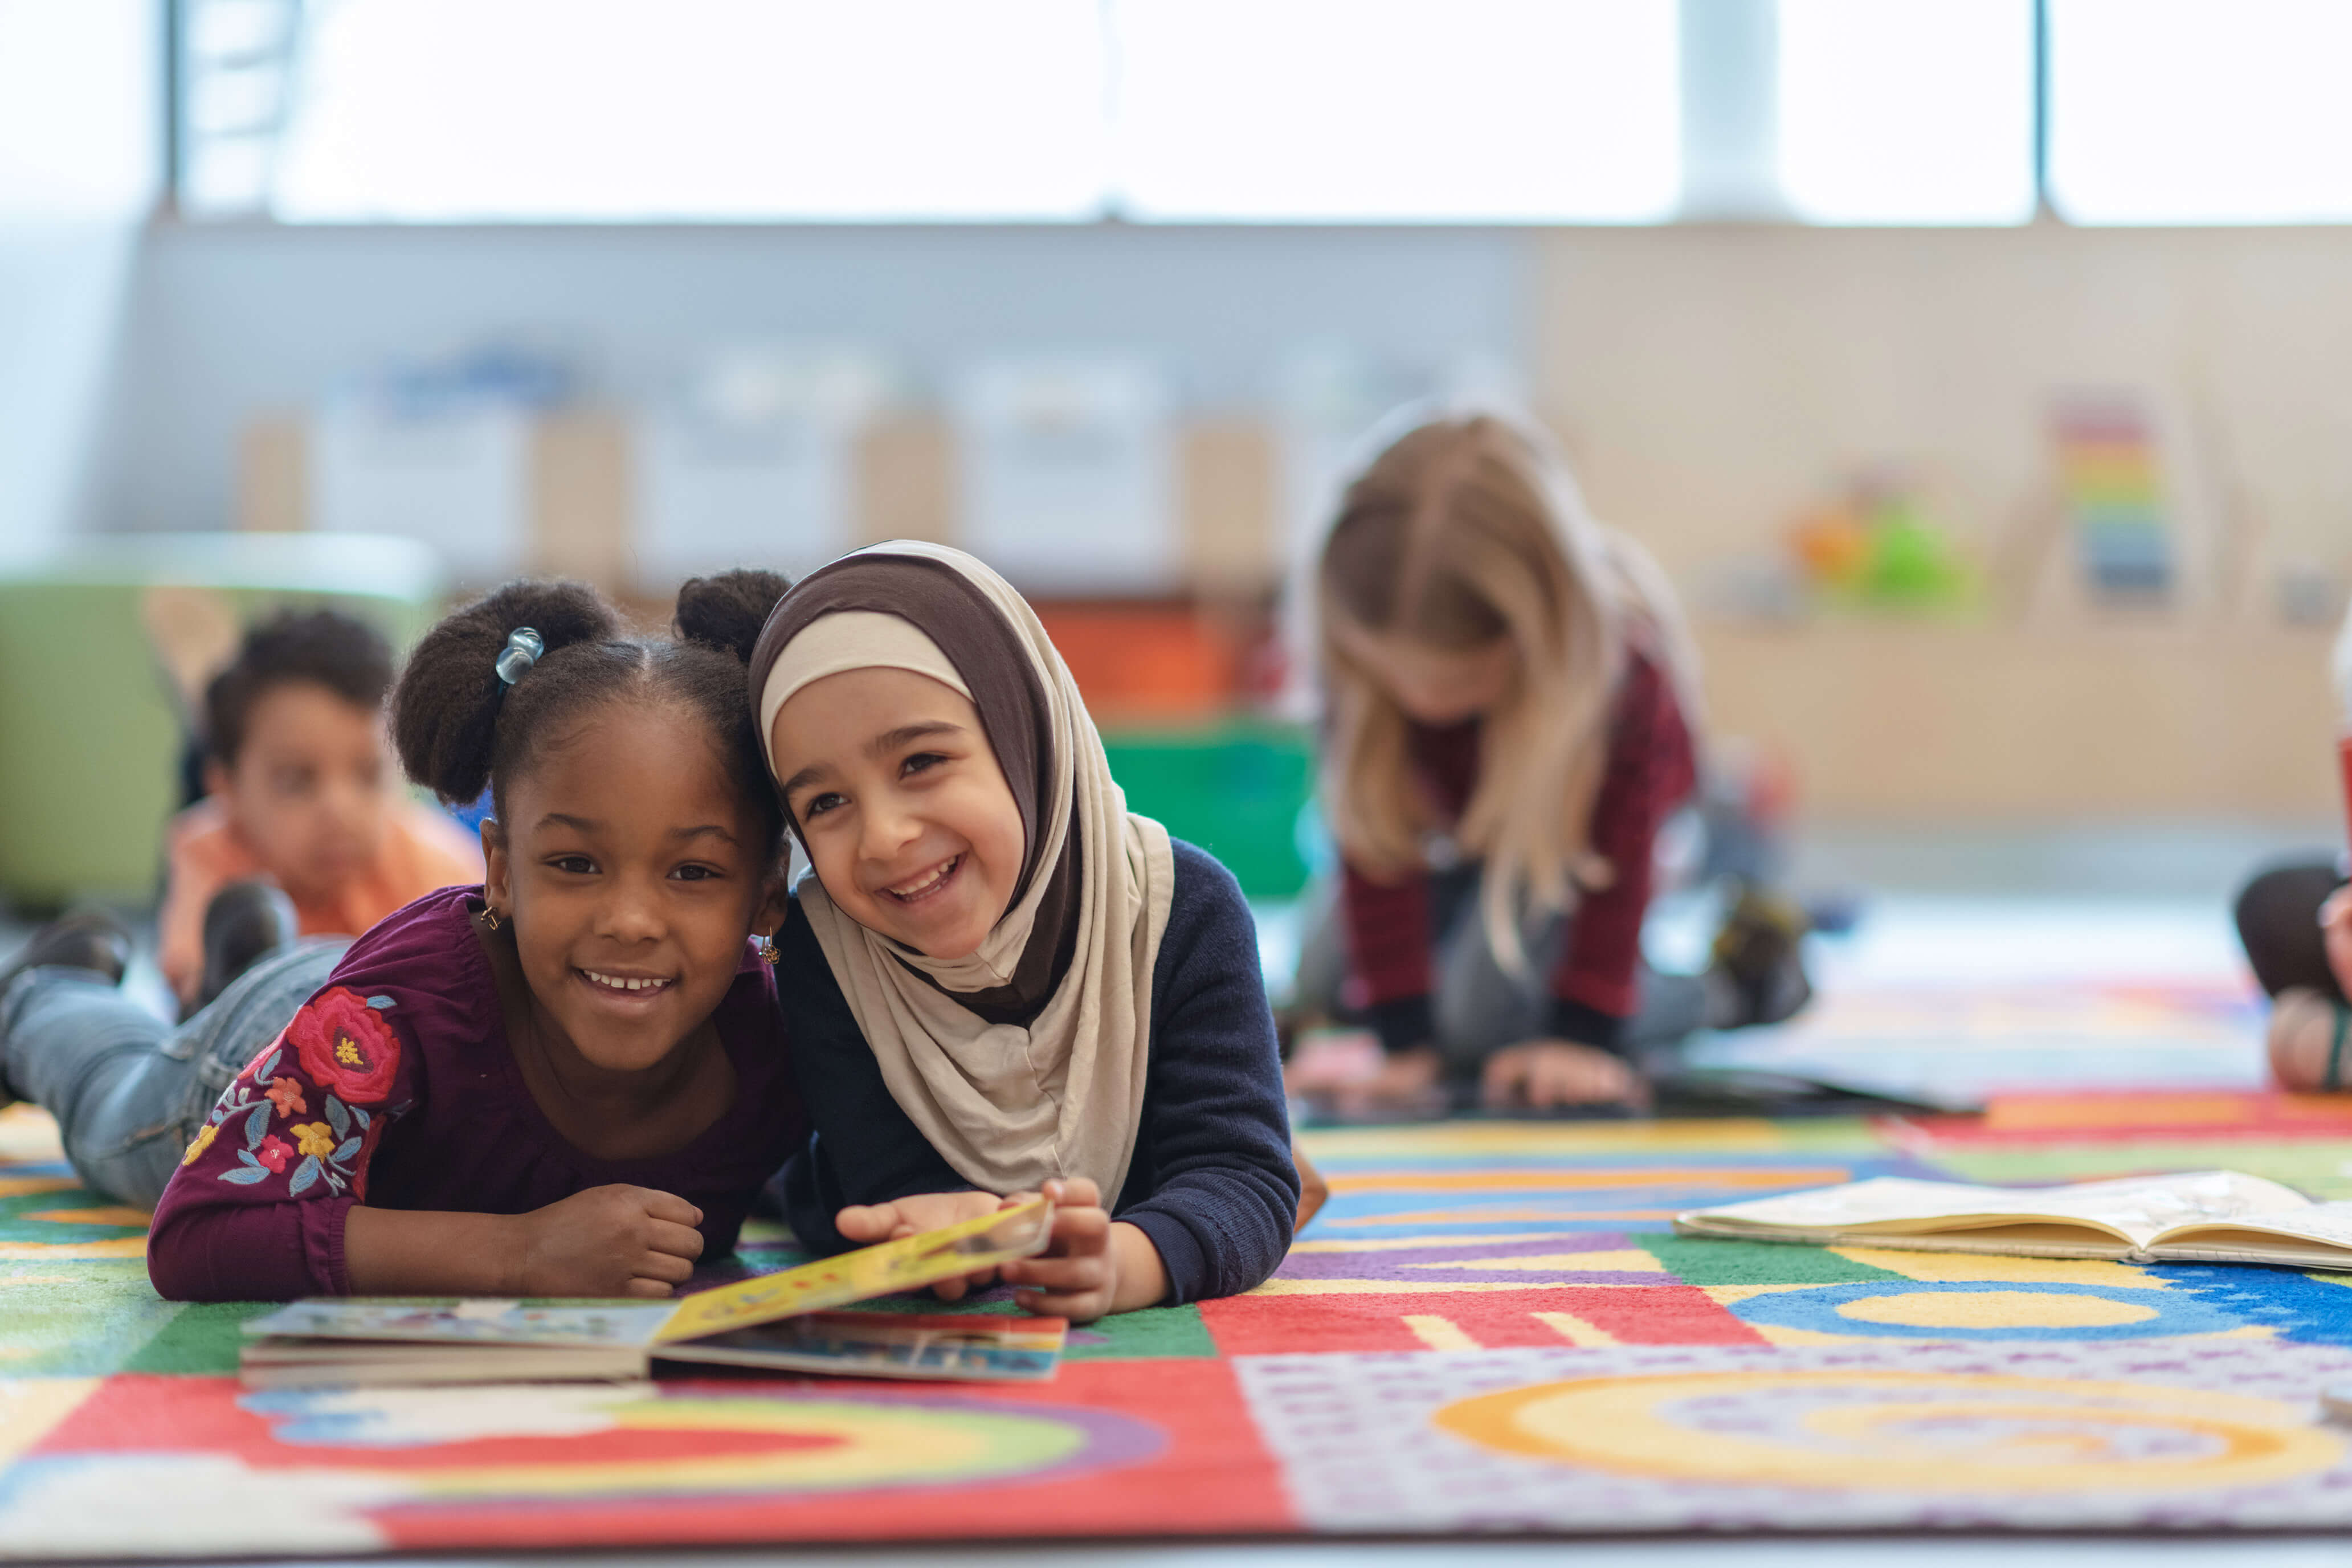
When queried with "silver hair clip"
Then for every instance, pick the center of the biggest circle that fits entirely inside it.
(523, 650)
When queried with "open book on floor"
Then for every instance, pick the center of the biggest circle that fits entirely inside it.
(786, 1321)
(2197, 1217)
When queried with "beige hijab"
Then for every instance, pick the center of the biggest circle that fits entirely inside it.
(1007, 1104)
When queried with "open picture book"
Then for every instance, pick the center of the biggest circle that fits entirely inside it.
(786, 1321)
(2198, 1217)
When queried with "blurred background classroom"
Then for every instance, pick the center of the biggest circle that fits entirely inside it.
(1976, 368)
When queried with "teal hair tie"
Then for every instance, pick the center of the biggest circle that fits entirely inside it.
(2333, 1077)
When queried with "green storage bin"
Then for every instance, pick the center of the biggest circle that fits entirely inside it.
(1236, 789)
(90, 747)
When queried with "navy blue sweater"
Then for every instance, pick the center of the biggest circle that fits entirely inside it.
(1212, 1182)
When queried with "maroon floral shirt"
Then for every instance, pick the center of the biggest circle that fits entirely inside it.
(394, 1085)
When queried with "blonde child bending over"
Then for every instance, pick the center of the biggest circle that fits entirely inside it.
(1509, 696)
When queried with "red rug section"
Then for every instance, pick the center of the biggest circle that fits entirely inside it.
(1664, 1314)
(2037, 1119)
(1169, 1449)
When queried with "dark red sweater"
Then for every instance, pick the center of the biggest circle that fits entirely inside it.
(394, 1085)
(1650, 772)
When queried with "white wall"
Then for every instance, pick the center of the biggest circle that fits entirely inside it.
(79, 165)
(230, 323)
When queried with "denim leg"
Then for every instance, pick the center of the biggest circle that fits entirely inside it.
(127, 1089)
(94, 1058)
(218, 1041)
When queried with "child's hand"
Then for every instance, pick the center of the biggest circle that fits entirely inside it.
(2336, 933)
(866, 1223)
(1406, 1080)
(609, 1241)
(1540, 1074)
(1094, 1266)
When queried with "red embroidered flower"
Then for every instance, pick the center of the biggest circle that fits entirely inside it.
(274, 1152)
(345, 1045)
(285, 1094)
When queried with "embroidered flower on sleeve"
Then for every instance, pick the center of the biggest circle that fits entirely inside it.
(346, 1046)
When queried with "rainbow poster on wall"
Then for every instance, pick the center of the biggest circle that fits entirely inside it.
(2111, 490)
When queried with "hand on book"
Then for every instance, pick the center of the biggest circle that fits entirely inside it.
(1094, 1265)
(866, 1223)
(1406, 1081)
(609, 1241)
(1538, 1075)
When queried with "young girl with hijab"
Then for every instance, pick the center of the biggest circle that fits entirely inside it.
(998, 979)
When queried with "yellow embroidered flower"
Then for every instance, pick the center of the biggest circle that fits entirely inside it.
(200, 1142)
(315, 1138)
(347, 1051)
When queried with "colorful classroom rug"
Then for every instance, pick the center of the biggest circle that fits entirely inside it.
(1489, 1329)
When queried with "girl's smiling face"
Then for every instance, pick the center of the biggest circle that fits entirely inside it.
(902, 805)
(631, 870)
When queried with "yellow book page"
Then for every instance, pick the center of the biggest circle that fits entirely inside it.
(907, 1264)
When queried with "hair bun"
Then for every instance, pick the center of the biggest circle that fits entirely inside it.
(445, 710)
(728, 610)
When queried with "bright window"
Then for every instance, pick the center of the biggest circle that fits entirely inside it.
(1465, 111)
(1907, 112)
(649, 109)
(2197, 111)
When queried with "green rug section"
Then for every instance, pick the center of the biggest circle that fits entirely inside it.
(78, 1318)
(2321, 1166)
(1710, 1260)
(200, 1341)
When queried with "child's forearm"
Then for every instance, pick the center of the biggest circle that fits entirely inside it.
(404, 1252)
(1143, 1278)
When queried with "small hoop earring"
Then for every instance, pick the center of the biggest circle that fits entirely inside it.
(770, 954)
(489, 917)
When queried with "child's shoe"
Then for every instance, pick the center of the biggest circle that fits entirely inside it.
(243, 923)
(2307, 1039)
(1758, 975)
(91, 939)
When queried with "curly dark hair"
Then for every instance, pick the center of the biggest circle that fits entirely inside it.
(457, 729)
(323, 647)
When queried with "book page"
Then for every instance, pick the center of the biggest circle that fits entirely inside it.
(2136, 1209)
(907, 1264)
(970, 1346)
(2330, 1224)
(459, 1321)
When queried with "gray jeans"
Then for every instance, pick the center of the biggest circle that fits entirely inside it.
(1479, 1008)
(129, 1089)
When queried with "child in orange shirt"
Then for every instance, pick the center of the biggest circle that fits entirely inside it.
(301, 796)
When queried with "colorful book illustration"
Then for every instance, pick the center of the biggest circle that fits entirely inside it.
(751, 1323)
(2197, 1216)
(2110, 486)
